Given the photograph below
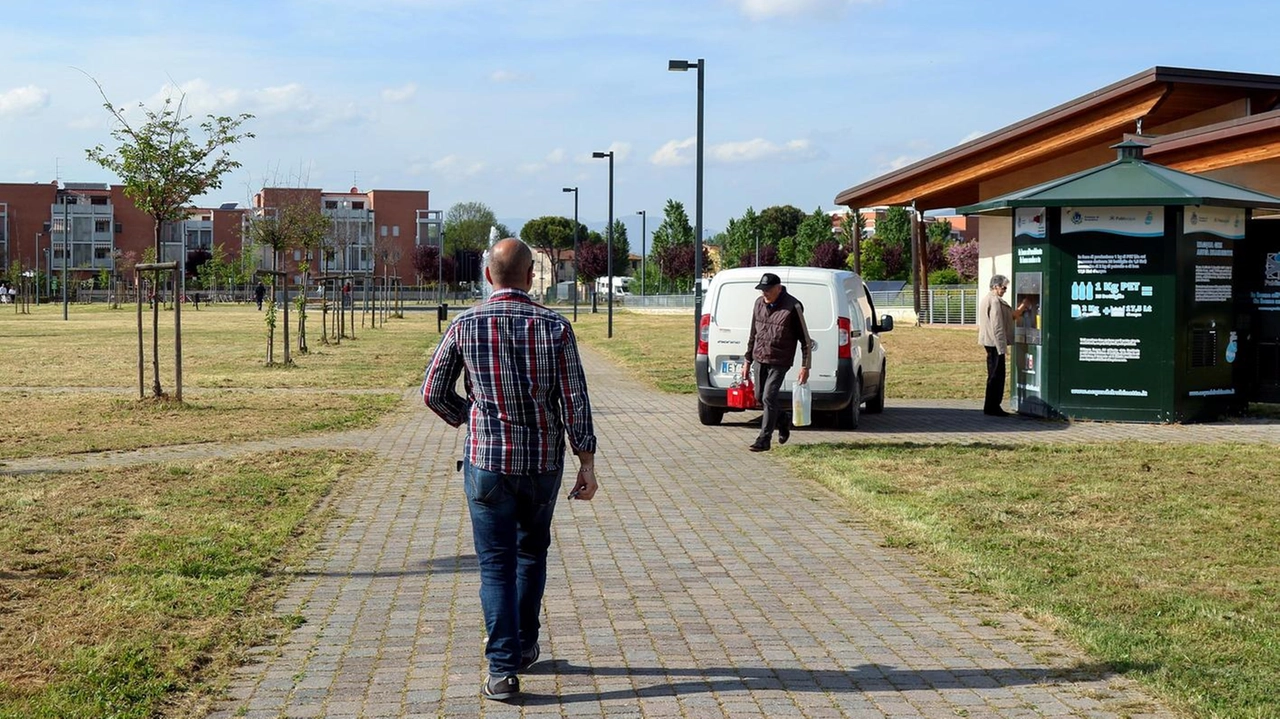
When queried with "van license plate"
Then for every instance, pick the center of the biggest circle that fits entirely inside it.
(730, 367)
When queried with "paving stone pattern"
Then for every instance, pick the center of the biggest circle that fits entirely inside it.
(703, 581)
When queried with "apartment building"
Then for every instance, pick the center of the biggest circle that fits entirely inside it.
(371, 233)
(89, 227)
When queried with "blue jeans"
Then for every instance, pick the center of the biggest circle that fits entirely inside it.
(511, 525)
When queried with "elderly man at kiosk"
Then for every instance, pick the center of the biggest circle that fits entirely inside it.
(777, 327)
(995, 333)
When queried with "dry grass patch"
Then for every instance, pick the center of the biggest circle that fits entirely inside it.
(50, 424)
(124, 592)
(1159, 559)
(223, 346)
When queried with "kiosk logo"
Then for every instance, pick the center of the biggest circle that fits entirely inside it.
(1076, 218)
(1272, 277)
(1195, 219)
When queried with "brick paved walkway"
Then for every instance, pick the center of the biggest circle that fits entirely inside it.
(703, 581)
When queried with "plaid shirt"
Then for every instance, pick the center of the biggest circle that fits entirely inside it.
(524, 385)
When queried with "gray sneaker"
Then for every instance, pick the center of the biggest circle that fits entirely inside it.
(529, 658)
(500, 688)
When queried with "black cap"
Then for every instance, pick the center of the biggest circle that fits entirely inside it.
(769, 280)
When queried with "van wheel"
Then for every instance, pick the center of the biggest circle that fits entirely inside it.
(876, 404)
(709, 415)
(849, 417)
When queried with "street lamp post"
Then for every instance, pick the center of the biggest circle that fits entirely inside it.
(66, 230)
(38, 268)
(643, 254)
(681, 66)
(574, 190)
(609, 244)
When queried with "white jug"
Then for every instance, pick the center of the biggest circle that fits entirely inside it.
(801, 405)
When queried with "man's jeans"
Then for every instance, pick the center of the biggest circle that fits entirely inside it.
(511, 525)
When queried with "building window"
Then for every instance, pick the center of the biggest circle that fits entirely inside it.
(358, 205)
(383, 232)
(330, 204)
(102, 225)
(297, 255)
(98, 201)
(395, 230)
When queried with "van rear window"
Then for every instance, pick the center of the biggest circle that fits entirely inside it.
(735, 300)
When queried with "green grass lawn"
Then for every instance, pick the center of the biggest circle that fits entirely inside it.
(1162, 560)
(131, 592)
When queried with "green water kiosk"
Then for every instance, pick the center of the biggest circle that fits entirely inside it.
(1127, 276)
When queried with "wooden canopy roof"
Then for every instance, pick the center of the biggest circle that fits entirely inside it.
(1156, 97)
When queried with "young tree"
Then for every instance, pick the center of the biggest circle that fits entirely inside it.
(467, 226)
(163, 167)
(429, 267)
(741, 238)
(937, 240)
(308, 229)
(676, 264)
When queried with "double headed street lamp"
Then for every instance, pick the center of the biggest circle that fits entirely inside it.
(681, 66)
(643, 254)
(609, 246)
(574, 190)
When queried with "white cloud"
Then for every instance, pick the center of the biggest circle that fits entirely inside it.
(503, 76)
(291, 102)
(681, 152)
(454, 166)
(555, 157)
(675, 153)
(761, 149)
(23, 100)
(768, 9)
(399, 94)
(972, 136)
(896, 163)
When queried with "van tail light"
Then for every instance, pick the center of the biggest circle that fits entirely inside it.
(846, 348)
(704, 333)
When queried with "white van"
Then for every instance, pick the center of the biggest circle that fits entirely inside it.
(848, 358)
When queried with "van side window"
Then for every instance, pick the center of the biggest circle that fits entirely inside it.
(858, 318)
(868, 307)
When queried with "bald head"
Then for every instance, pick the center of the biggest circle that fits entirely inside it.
(510, 265)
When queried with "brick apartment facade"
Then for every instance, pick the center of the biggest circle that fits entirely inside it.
(104, 227)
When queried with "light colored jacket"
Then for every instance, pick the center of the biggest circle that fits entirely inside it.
(995, 323)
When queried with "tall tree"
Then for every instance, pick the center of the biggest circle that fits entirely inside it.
(852, 227)
(551, 235)
(467, 226)
(592, 256)
(429, 267)
(674, 230)
(742, 236)
(163, 167)
(621, 250)
(780, 222)
(813, 231)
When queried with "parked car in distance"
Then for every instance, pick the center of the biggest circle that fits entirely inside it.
(848, 361)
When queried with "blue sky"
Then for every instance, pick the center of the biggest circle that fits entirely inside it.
(503, 101)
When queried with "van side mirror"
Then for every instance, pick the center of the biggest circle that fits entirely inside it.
(886, 323)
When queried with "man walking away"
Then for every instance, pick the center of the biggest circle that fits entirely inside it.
(995, 333)
(259, 293)
(525, 389)
(777, 327)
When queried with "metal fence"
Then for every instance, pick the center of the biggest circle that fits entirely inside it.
(950, 304)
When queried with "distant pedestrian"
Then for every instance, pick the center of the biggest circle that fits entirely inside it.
(995, 333)
(777, 328)
(259, 293)
(525, 388)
